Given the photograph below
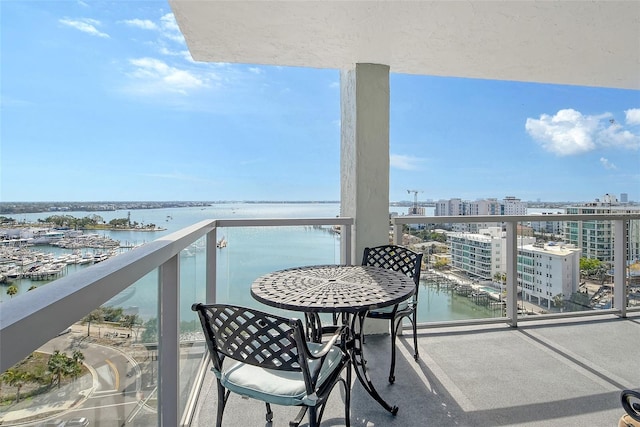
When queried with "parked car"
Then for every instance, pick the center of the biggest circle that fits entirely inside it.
(53, 423)
(77, 422)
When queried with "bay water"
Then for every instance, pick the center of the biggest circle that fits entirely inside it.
(250, 253)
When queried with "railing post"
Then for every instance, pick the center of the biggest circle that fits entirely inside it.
(620, 266)
(346, 256)
(210, 266)
(512, 272)
(168, 342)
(397, 233)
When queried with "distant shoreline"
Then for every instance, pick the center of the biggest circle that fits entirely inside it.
(17, 208)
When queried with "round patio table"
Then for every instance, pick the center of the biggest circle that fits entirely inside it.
(346, 289)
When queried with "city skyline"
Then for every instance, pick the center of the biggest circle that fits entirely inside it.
(105, 103)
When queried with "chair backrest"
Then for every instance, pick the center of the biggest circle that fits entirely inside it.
(394, 257)
(250, 336)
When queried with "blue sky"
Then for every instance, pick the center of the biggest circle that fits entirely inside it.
(102, 101)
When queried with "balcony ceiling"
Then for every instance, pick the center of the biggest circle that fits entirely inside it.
(587, 43)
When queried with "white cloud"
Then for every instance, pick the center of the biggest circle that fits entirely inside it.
(86, 25)
(632, 116)
(607, 164)
(154, 75)
(569, 132)
(145, 24)
(170, 28)
(255, 70)
(403, 162)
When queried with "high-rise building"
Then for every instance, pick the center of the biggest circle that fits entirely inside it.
(456, 207)
(595, 237)
(624, 198)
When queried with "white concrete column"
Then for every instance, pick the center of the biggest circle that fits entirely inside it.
(364, 154)
(364, 161)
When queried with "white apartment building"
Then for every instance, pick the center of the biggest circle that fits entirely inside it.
(595, 238)
(550, 228)
(548, 270)
(457, 207)
(513, 206)
(481, 255)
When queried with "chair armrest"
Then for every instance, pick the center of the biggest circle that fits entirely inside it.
(328, 345)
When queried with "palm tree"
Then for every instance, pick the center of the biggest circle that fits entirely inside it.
(75, 363)
(95, 316)
(12, 290)
(16, 378)
(57, 365)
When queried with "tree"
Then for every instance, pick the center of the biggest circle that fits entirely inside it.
(95, 316)
(441, 264)
(129, 321)
(558, 301)
(150, 333)
(57, 365)
(17, 378)
(74, 364)
(12, 290)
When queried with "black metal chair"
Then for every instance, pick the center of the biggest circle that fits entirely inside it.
(266, 357)
(408, 262)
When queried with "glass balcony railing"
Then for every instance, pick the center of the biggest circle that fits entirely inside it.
(145, 368)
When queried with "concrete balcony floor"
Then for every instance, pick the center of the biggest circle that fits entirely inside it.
(562, 372)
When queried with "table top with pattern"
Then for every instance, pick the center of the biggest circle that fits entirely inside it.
(332, 288)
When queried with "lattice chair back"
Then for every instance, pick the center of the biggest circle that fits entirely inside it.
(262, 346)
(393, 257)
(408, 262)
(250, 336)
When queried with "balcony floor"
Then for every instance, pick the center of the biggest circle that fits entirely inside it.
(562, 372)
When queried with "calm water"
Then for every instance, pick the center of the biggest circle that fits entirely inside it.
(250, 253)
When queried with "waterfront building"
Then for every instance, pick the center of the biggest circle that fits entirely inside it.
(513, 206)
(595, 237)
(481, 255)
(546, 270)
(455, 207)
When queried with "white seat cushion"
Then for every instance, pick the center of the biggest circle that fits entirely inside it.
(278, 387)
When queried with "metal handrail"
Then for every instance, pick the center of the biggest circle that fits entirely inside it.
(29, 320)
(620, 222)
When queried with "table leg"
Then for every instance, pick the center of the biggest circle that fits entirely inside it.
(360, 364)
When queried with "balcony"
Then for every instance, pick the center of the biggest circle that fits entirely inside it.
(561, 367)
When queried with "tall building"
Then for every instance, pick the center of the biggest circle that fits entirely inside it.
(624, 198)
(594, 237)
(456, 207)
(548, 270)
(481, 255)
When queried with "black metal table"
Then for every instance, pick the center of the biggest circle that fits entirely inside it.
(339, 289)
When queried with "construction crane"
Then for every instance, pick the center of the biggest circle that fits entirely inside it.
(414, 211)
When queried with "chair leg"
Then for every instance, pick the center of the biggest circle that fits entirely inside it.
(416, 356)
(394, 332)
(313, 416)
(298, 419)
(269, 416)
(347, 397)
(223, 395)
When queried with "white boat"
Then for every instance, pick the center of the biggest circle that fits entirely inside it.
(222, 243)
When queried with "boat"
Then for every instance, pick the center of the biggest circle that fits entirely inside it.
(222, 243)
